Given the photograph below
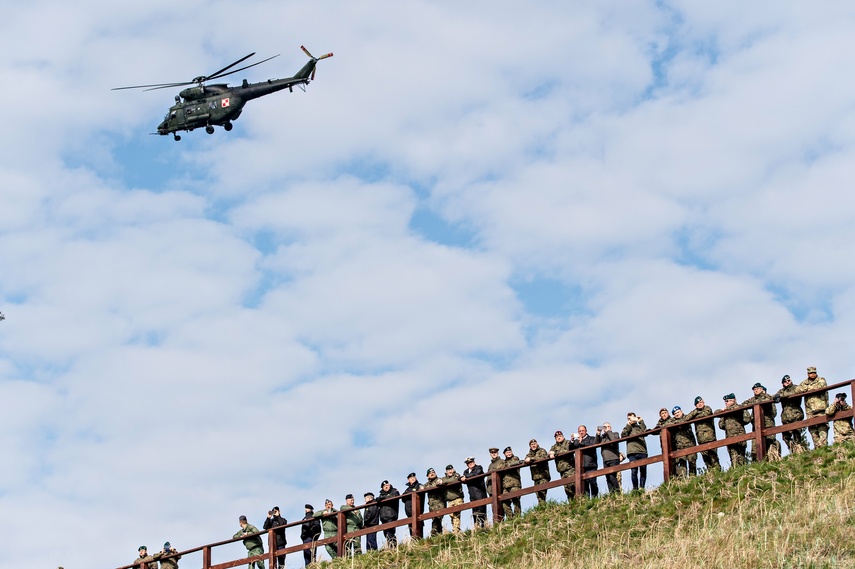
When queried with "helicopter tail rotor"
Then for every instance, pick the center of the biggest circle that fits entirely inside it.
(315, 60)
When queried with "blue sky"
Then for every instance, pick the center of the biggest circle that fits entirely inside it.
(566, 211)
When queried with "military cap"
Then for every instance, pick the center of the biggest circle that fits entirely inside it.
(532, 441)
(493, 449)
(729, 396)
(663, 409)
(327, 501)
(698, 399)
(449, 467)
(756, 385)
(411, 475)
(785, 378)
(840, 395)
(676, 408)
(166, 545)
(309, 507)
(811, 369)
(142, 547)
(469, 459)
(275, 508)
(429, 470)
(558, 433)
(368, 494)
(508, 449)
(383, 483)
(242, 519)
(348, 497)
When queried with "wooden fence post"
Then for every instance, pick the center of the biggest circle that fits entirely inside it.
(498, 512)
(759, 426)
(580, 484)
(342, 527)
(206, 557)
(271, 544)
(667, 461)
(415, 525)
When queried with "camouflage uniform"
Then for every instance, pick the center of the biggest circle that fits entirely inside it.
(453, 496)
(636, 449)
(353, 522)
(733, 425)
(815, 405)
(565, 460)
(330, 527)
(684, 438)
(705, 431)
(170, 563)
(842, 427)
(539, 471)
(511, 481)
(436, 501)
(791, 412)
(773, 446)
(145, 561)
(254, 545)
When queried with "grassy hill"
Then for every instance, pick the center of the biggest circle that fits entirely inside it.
(799, 512)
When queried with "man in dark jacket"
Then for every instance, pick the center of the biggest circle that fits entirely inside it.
(589, 458)
(413, 484)
(371, 518)
(389, 512)
(310, 532)
(611, 455)
(274, 520)
(636, 448)
(477, 490)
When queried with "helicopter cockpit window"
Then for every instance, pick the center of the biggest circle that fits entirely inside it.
(172, 115)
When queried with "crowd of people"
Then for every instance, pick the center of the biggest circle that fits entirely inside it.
(687, 430)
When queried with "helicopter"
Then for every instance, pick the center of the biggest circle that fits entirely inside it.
(218, 104)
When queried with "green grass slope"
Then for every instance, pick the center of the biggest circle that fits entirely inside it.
(799, 512)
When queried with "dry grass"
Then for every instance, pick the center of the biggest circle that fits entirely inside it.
(799, 512)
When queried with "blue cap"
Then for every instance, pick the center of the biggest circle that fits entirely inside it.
(675, 409)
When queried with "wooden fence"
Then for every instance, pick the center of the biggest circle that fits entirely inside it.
(668, 458)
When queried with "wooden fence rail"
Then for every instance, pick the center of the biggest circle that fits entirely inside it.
(668, 459)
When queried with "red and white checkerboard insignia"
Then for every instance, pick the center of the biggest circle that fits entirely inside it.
(225, 102)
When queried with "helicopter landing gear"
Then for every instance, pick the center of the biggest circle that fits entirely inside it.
(227, 126)
(177, 138)
(209, 129)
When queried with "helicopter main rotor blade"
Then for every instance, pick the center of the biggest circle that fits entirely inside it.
(153, 86)
(215, 76)
(215, 73)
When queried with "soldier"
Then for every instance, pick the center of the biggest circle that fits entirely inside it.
(254, 545)
(540, 470)
(496, 463)
(145, 561)
(329, 523)
(275, 520)
(684, 438)
(636, 448)
(413, 485)
(611, 454)
(453, 495)
(436, 500)
(477, 490)
(705, 431)
(773, 447)
(815, 405)
(582, 439)
(371, 518)
(733, 425)
(791, 412)
(842, 427)
(565, 460)
(664, 418)
(169, 562)
(353, 522)
(310, 532)
(389, 512)
(511, 480)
